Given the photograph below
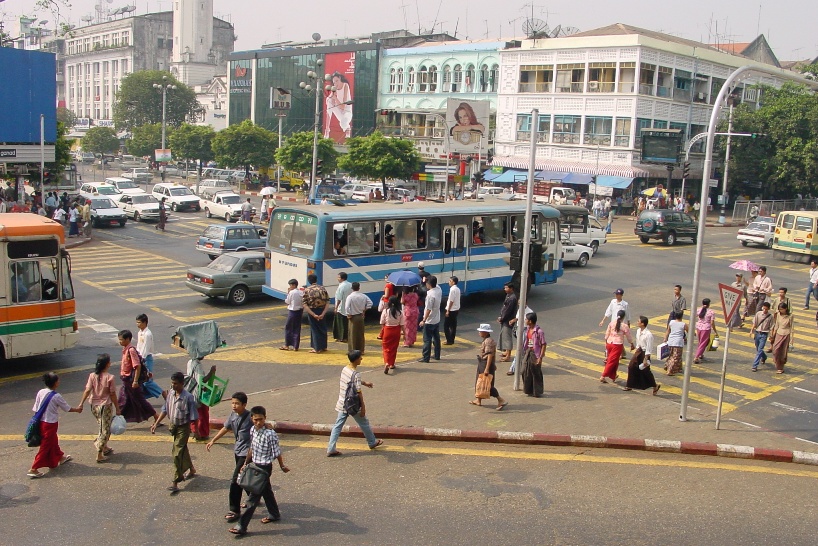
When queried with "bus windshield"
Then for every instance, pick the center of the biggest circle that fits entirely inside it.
(292, 233)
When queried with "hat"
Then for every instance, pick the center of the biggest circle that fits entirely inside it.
(619, 291)
(420, 265)
(485, 328)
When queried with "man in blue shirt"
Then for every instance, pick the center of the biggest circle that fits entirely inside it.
(240, 424)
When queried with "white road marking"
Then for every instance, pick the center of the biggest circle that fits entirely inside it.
(792, 408)
(805, 390)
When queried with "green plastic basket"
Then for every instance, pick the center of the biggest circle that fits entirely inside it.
(213, 390)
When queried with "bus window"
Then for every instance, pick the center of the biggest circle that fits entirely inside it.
(388, 238)
(25, 281)
(803, 223)
(447, 241)
(65, 282)
(431, 230)
(408, 234)
(362, 238)
(788, 221)
(460, 239)
(292, 233)
(489, 229)
(518, 225)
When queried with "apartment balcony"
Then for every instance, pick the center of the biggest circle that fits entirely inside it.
(525, 136)
(601, 87)
(574, 87)
(535, 87)
(646, 89)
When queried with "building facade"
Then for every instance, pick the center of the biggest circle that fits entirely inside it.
(596, 91)
(212, 97)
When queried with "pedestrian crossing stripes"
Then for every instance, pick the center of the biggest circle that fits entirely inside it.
(585, 354)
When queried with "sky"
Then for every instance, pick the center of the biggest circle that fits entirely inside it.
(787, 24)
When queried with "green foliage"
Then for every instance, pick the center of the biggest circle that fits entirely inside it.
(66, 116)
(147, 139)
(100, 140)
(193, 142)
(139, 103)
(245, 144)
(296, 153)
(378, 157)
(785, 158)
(62, 150)
(810, 71)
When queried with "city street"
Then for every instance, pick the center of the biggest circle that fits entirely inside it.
(416, 492)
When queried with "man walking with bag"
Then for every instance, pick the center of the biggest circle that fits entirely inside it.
(349, 375)
(180, 409)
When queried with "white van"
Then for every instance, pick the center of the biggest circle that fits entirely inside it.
(125, 185)
(211, 186)
(577, 224)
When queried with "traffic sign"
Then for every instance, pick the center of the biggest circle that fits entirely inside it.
(730, 300)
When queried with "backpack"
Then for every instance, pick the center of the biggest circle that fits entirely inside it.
(143, 370)
(352, 400)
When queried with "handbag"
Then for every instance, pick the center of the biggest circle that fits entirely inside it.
(253, 479)
(482, 389)
(714, 344)
(32, 435)
(663, 350)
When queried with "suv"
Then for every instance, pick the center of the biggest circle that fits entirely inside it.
(220, 238)
(224, 204)
(667, 225)
(99, 189)
(178, 197)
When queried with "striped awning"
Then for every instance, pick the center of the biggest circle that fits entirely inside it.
(624, 171)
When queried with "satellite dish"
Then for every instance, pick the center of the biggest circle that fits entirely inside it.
(129, 9)
(535, 28)
(110, 1)
(562, 31)
(86, 18)
(43, 23)
(316, 36)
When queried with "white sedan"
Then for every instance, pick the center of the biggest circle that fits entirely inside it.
(579, 254)
(757, 233)
(140, 207)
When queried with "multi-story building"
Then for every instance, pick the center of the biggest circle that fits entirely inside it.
(212, 96)
(597, 90)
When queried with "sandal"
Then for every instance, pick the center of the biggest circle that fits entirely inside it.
(473, 403)
(656, 389)
(268, 519)
(66, 459)
(379, 443)
(108, 451)
(231, 517)
(33, 474)
(102, 460)
(501, 406)
(283, 348)
(237, 531)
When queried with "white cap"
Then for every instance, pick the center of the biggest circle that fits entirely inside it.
(485, 327)
(420, 265)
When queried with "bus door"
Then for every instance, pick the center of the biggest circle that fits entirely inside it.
(455, 257)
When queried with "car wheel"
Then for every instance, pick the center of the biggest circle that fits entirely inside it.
(644, 239)
(670, 238)
(595, 246)
(226, 216)
(744, 243)
(212, 256)
(198, 208)
(207, 213)
(770, 242)
(173, 207)
(95, 222)
(583, 260)
(238, 295)
(122, 223)
(136, 217)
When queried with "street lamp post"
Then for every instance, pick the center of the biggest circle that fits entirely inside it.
(164, 87)
(315, 84)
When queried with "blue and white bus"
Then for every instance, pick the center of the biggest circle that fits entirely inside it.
(466, 239)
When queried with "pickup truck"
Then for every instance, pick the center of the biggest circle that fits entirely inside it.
(138, 174)
(225, 204)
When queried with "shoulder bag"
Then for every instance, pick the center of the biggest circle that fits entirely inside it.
(253, 479)
(32, 435)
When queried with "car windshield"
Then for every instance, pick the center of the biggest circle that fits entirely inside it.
(144, 199)
(293, 233)
(107, 190)
(225, 262)
(214, 232)
(231, 199)
(102, 204)
(180, 191)
(761, 226)
(127, 186)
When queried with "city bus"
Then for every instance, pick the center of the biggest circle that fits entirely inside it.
(466, 239)
(37, 308)
(795, 233)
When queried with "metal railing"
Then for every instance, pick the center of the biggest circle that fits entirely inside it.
(741, 210)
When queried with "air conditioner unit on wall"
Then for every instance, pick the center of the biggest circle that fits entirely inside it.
(593, 85)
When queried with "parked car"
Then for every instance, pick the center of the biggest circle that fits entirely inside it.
(218, 239)
(234, 276)
(349, 189)
(104, 212)
(177, 197)
(140, 206)
(485, 191)
(99, 189)
(757, 233)
(211, 186)
(667, 225)
(224, 204)
(138, 174)
(125, 185)
(578, 254)
(173, 170)
(87, 157)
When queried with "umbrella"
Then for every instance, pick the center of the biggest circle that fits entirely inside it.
(404, 278)
(269, 190)
(744, 265)
(654, 192)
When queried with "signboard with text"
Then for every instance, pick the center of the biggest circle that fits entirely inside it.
(163, 155)
(730, 300)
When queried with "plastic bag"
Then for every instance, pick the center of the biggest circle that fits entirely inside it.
(118, 425)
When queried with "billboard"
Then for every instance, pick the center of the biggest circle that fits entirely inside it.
(30, 87)
(338, 102)
(663, 147)
(468, 122)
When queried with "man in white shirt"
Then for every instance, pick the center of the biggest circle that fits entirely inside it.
(356, 306)
(431, 320)
(340, 324)
(452, 310)
(617, 304)
(639, 374)
(295, 312)
(812, 287)
(144, 346)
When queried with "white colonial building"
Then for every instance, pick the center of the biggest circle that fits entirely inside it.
(597, 90)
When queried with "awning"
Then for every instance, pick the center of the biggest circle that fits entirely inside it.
(624, 171)
(617, 182)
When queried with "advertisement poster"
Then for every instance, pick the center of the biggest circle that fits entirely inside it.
(468, 122)
(338, 102)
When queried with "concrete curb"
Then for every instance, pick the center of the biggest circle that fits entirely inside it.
(545, 439)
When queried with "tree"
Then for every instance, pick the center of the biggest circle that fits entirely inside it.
(245, 144)
(147, 139)
(66, 116)
(378, 157)
(62, 151)
(784, 155)
(139, 103)
(100, 140)
(193, 142)
(295, 153)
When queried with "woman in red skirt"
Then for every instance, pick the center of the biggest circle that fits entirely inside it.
(615, 336)
(393, 323)
(50, 455)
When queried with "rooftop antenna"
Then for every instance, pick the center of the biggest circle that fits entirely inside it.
(434, 24)
(417, 9)
(403, 8)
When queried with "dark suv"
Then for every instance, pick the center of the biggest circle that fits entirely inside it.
(667, 225)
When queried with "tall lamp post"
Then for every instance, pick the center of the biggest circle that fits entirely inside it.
(315, 83)
(164, 88)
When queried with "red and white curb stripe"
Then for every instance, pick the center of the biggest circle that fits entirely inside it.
(544, 439)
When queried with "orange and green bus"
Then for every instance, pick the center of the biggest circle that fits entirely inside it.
(37, 307)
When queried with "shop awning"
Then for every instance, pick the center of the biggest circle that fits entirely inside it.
(607, 169)
(617, 182)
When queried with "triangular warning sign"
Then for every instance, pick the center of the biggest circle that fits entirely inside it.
(730, 300)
